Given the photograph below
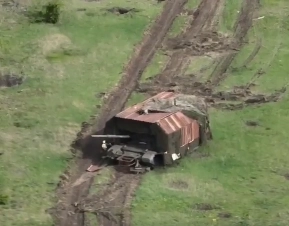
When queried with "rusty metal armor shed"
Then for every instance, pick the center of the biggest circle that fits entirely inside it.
(168, 122)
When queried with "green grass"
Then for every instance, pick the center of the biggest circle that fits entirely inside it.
(229, 15)
(244, 174)
(273, 55)
(69, 63)
(66, 65)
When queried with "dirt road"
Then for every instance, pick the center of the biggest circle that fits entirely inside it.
(112, 205)
(202, 20)
(66, 212)
(199, 40)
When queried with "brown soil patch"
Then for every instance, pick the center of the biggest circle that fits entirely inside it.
(236, 98)
(286, 175)
(179, 184)
(206, 42)
(121, 10)
(224, 215)
(112, 204)
(205, 206)
(67, 211)
(252, 123)
(10, 80)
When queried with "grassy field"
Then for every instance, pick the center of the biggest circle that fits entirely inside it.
(243, 181)
(66, 66)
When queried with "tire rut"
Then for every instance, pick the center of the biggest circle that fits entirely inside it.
(112, 205)
(239, 96)
(241, 28)
(204, 18)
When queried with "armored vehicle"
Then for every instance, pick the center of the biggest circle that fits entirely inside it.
(156, 132)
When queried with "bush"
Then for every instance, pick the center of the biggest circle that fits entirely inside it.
(3, 199)
(49, 12)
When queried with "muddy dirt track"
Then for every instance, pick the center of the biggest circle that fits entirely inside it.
(111, 205)
(70, 194)
(204, 40)
(203, 19)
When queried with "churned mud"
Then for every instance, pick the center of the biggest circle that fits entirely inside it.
(112, 205)
(204, 39)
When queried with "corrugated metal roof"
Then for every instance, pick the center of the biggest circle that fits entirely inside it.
(168, 121)
(189, 133)
(132, 112)
(174, 122)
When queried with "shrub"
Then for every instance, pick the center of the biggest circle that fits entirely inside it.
(47, 12)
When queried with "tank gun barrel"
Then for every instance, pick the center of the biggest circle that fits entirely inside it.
(110, 136)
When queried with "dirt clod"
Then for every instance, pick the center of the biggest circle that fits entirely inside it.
(201, 43)
(100, 95)
(225, 215)
(121, 10)
(10, 80)
(81, 9)
(205, 206)
(179, 184)
(64, 177)
(252, 123)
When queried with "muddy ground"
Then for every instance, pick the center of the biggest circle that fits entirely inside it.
(206, 40)
(112, 204)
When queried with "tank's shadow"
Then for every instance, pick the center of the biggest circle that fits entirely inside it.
(94, 154)
(91, 149)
